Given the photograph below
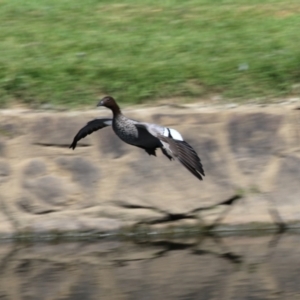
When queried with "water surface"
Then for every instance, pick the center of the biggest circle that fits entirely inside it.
(232, 267)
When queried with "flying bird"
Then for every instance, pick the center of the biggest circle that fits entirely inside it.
(146, 136)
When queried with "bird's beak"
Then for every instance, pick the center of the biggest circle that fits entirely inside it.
(100, 103)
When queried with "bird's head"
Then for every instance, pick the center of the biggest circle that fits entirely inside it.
(108, 102)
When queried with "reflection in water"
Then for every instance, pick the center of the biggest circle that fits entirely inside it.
(232, 267)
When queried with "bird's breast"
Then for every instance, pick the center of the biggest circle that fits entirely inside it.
(126, 131)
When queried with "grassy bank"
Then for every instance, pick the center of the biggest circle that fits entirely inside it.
(69, 51)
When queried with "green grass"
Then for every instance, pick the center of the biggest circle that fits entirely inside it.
(68, 52)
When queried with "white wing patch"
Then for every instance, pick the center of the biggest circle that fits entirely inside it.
(156, 130)
(174, 134)
(166, 132)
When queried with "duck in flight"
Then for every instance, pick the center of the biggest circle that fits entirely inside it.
(146, 136)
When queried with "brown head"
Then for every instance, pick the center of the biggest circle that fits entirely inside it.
(110, 103)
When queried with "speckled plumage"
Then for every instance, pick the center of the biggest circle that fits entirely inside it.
(125, 129)
(146, 136)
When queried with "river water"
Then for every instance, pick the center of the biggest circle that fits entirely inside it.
(228, 267)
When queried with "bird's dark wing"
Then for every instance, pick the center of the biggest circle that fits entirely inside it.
(186, 155)
(89, 128)
(146, 139)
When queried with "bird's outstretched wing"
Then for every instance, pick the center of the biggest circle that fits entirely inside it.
(185, 154)
(89, 128)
